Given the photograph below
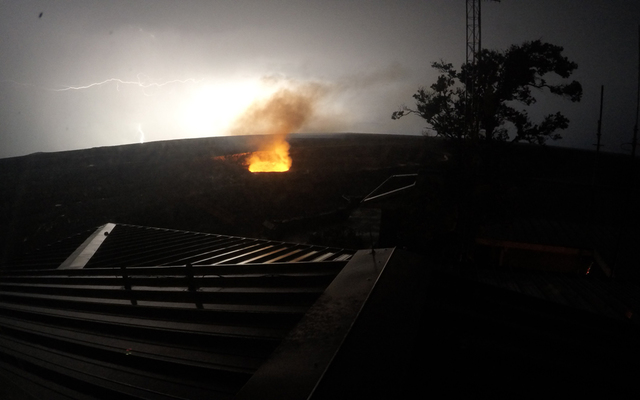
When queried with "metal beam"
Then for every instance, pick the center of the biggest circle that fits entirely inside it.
(79, 258)
(299, 363)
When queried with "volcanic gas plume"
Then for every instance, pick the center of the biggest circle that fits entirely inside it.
(285, 111)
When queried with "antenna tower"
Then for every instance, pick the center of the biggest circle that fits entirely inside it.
(474, 50)
(474, 42)
(474, 31)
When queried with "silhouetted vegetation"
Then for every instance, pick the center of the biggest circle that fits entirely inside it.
(500, 83)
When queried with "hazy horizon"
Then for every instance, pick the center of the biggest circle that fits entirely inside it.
(84, 74)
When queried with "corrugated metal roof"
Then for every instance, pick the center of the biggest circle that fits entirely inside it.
(137, 246)
(154, 328)
(155, 313)
(370, 324)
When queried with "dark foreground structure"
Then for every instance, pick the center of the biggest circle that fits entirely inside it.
(509, 273)
(134, 312)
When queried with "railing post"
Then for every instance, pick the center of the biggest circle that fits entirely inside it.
(127, 285)
(191, 284)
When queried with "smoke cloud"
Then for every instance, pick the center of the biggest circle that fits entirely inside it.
(287, 110)
(312, 106)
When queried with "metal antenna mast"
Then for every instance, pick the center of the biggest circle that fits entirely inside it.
(474, 31)
(635, 127)
(474, 42)
(474, 49)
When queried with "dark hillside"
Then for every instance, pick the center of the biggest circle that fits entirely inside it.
(202, 185)
(188, 184)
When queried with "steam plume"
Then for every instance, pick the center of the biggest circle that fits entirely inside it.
(313, 106)
(285, 111)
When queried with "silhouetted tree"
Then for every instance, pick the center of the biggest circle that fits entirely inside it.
(504, 81)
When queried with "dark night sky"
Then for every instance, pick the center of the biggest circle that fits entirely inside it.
(179, 69)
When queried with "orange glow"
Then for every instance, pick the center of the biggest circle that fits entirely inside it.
(273, 158)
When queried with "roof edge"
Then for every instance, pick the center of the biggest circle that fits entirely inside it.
(297, 366)
(81, 256)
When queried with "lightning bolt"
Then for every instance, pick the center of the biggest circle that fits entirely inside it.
(141, 133)
(143, 82)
